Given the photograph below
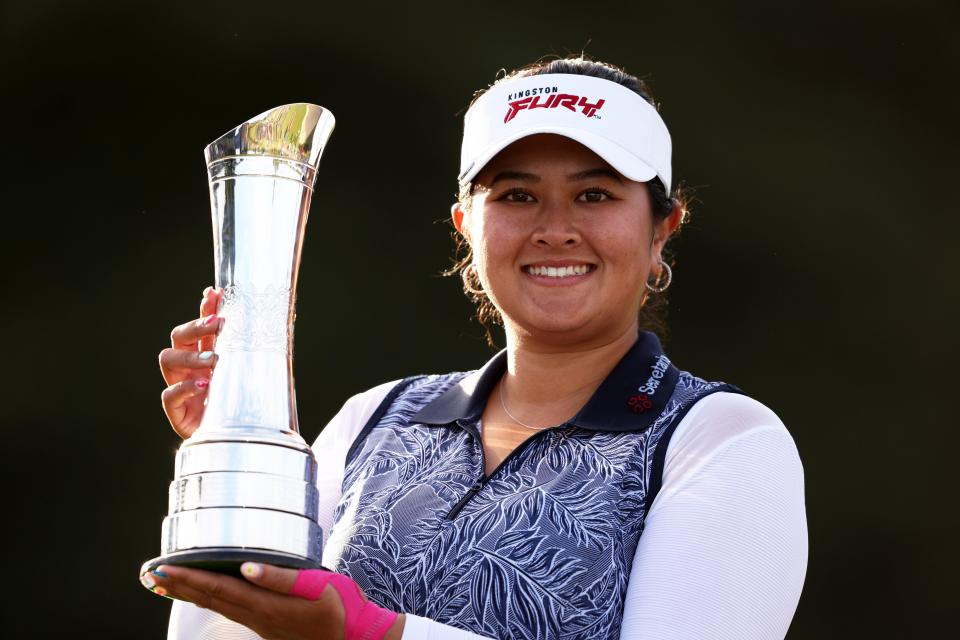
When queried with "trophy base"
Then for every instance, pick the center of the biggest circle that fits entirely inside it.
(228, 560)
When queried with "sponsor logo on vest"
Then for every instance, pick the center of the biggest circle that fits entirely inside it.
(549, 98)
(639, 403)
(642, 401)
(657, 371)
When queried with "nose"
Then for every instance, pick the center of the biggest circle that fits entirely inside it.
(556, 228)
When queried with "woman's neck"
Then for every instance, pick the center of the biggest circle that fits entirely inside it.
(548, 385)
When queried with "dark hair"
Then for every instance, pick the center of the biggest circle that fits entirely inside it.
(653, 307)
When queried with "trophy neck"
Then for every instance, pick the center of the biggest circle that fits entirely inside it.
(261, 178)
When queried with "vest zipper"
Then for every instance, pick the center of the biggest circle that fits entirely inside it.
(478, 485)
(472, 491)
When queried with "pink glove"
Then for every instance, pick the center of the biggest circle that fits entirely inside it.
(364, 620)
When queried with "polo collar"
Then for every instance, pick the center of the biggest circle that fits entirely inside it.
(631, 397)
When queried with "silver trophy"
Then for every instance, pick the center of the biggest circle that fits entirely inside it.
(244, 484)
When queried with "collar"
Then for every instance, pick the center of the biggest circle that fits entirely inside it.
(631, 397)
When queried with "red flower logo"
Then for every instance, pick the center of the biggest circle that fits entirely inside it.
(639, 403)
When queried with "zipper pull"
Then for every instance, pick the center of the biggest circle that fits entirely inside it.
(472, 491)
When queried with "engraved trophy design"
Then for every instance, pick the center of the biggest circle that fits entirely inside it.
(244, 483)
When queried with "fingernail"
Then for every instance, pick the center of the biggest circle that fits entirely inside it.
(206, 292)
(209, 320)
(220, 328)
(160, 591)
(148, 581)
(251, 569)
(206, 355)
(157, 572)
(202, 383)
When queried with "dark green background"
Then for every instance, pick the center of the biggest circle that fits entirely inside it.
(819, 271)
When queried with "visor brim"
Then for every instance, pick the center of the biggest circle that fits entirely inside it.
(624, 162)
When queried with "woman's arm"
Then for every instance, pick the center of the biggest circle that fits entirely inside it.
(331, 446)
(187, 621)
(190, 622)
(724, 551)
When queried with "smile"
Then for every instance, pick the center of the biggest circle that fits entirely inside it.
(566, 271)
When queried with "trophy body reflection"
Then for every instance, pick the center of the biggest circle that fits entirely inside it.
(244, 483)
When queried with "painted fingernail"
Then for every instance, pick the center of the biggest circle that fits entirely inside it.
(160, 591)
(206, 355)
(209, 320)
(202, 383)
(148, 581)
(157, 572)
(251, 569)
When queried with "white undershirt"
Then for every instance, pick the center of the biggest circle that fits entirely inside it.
(723, 553)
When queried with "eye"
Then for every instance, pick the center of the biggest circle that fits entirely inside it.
(594, 194)
(516, 195)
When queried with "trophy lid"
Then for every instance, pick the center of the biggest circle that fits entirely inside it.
(295, 132)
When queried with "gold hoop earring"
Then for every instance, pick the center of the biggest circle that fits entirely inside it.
(467, 285)
(660, 288)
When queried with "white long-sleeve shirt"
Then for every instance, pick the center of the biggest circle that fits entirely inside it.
(723, 553)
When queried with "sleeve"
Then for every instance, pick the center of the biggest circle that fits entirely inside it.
(332, 445)
(723, 554)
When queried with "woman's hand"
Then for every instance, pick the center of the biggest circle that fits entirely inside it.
(187, 365)
(263, 602)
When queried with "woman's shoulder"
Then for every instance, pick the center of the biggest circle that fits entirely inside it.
(358, 408)
(344, 427)
(723, 420)
(423, 385)
(717, 412)
(729, 414)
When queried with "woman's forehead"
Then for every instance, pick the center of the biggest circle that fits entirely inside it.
(543, 153)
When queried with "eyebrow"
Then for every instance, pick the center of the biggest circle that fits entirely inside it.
(515, 175)
(599, 172)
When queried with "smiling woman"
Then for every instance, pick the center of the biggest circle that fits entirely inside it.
(561, 241)
(577, 485)
(662, 204)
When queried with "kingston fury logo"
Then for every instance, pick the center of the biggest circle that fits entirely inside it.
(549, 98)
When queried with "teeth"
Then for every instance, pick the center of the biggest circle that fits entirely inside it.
(559, 272)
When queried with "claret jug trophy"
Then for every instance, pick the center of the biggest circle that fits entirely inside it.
(244, 486)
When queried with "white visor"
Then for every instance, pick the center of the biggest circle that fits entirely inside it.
(606, 117)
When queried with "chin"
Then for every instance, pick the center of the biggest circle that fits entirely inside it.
(554, 323)
(570, 323)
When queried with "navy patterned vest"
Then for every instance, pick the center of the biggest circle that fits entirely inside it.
(542, 548)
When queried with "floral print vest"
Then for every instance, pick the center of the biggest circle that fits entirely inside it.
(539, 550)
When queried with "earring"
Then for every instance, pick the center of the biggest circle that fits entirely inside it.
(662, 287)
(467, 285)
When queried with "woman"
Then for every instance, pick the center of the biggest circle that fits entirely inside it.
(509, 502)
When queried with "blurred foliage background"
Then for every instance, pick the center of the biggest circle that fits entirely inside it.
(819, 272)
